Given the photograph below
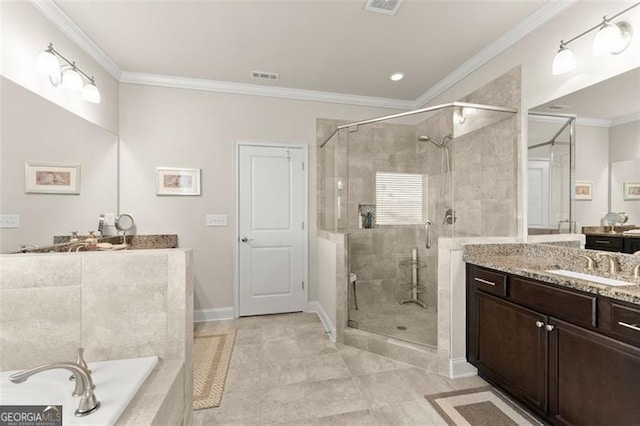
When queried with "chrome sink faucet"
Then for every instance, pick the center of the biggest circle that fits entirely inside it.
(84, 385)
(614, 268)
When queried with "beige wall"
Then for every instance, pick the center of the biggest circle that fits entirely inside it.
(592, 164)
(624, 142)
(26, 33)
(197, 129)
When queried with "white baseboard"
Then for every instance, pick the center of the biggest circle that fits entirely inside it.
(215, 314)
(316, 307)
(460, 368)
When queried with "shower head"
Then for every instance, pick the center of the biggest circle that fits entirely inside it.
(436, 143)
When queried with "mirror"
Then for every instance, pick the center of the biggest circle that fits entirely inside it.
(607, 155)
(124, 223)
(37, 131)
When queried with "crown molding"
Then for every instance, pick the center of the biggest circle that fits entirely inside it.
(61, 20)
(625, 119)
(256, 90)
(508, 39)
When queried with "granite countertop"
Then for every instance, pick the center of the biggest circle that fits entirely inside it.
(533, 265)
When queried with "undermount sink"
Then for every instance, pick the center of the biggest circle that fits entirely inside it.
(587, 277)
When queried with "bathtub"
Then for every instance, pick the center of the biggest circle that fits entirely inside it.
(116, 384)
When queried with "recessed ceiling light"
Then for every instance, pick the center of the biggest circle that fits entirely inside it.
(396, 76)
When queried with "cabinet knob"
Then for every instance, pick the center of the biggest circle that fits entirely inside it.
(549, 327)
(539, 324)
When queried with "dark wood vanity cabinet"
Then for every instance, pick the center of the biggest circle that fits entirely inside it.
(568, 371)
(617, 243)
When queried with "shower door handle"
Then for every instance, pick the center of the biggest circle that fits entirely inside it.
(427, 234)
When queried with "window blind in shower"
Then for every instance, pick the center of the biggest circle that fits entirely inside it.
(399, 198)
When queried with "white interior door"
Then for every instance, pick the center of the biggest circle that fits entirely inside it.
(271, 230)
(539, 205)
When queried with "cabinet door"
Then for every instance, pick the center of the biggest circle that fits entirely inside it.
(512, 348)
(593, 379)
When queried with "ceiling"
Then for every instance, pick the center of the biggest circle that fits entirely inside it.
(611, 99)
(328, 46)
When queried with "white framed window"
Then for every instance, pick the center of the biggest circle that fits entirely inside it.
(400, 198)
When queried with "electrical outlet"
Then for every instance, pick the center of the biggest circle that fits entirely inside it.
(216, 220)
(9, 221)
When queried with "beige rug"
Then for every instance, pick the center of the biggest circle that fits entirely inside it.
(212, 354)
(479, 407)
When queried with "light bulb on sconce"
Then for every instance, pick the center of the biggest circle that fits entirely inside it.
(47, 64)
(564, 62)
(90, 93)
(612, 38)
(71, 80)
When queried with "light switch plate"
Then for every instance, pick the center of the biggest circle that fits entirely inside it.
(9, 221)
(216, 220)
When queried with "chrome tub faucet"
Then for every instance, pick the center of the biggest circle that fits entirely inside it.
(84, 384)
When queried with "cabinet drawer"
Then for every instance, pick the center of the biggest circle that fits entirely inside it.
(574, 307)
(625, 323)
(490, 281)
(594, 242)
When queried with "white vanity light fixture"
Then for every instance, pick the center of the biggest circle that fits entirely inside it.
(611, 39)
(67, 75)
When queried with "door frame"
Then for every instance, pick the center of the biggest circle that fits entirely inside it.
(305, 216)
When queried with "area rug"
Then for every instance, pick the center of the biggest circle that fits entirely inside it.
(479, 407)
(212, 354)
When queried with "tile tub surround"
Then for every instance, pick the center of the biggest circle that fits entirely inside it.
(114, 304)
(531, 260)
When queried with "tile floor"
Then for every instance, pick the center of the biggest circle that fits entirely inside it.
(284, 369)
(420, 324)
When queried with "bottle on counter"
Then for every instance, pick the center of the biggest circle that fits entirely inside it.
(91, 241)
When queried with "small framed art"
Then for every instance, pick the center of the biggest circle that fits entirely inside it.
(584, 190)
(176, 181)
(51, 178)
(631, 191)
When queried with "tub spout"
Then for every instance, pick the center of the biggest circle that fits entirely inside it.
(84, 385)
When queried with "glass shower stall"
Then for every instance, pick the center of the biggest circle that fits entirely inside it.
(398, 184)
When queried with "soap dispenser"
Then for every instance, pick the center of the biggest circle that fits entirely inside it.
(91, 241)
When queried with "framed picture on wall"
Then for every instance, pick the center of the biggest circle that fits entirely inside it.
(584, 190)
(176, 181)
(51, 178)
(631, 191)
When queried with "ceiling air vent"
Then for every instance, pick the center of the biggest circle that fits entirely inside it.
(558, 107)
(388, 7)
(261, 75)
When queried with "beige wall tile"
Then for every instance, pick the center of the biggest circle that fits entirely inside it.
(124, 268)
(39, 325)
(123, 321)
(40, 270)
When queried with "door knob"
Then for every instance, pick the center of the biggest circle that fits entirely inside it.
(539, 324)
(244, 239)
(549, 327)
